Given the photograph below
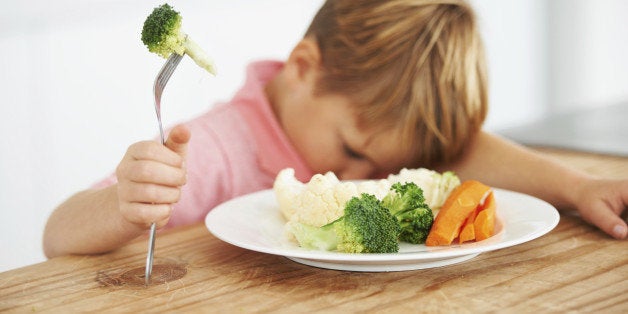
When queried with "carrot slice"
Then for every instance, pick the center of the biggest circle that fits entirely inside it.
(468, 231)
(484, 225)
(458, 206)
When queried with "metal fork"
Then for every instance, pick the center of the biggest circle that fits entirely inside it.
(160, 83)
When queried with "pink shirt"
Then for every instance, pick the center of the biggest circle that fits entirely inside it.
(236, 148)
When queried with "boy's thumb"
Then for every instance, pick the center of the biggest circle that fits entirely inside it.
(178, 139)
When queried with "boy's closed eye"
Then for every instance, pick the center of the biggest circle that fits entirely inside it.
(351, 153)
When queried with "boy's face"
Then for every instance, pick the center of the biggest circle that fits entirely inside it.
(324, 129)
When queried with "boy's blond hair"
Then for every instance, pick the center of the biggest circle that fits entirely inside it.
(414, 65)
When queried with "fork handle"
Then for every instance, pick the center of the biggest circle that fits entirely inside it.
(153, 227)
(149, 256)
(161, 129)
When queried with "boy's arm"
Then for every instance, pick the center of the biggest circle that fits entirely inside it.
(87, 223)
(504, 164)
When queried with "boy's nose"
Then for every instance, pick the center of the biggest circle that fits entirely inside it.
(357, 170)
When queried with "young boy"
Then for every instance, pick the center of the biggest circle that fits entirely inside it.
(371, 88)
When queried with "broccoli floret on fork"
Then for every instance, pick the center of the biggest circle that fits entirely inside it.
(162, 35)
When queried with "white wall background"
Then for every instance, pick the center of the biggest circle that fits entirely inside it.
(587, 52)
(76, 82)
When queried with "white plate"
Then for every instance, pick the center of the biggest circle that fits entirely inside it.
(254, 222)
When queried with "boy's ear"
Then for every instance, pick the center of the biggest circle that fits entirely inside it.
(304, 61)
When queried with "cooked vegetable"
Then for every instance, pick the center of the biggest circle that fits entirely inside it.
(467, 233)
(322, 199)
(458, 206)
(436, 186)
(484, 225)
(311, 208)
(162, 35)
(365, 227)
(407, 204)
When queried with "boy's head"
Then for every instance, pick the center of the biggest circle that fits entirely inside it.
(415, 66)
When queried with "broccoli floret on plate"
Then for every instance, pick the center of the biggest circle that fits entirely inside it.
(365, 227)
(407, 204)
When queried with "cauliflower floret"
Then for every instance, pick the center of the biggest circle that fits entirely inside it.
(436, 187)
(318, 202)
(344, 191)
(323, 200)
(379, 188)
(287, 189)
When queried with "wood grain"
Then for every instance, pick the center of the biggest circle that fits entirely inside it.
(574, 268)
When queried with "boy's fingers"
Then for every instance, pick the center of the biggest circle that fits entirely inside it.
(132, 192)
(178, 139)
(614, 224)
(609, 221)
(149, 171)
(617, 229)
(151, 150)
(145, 214)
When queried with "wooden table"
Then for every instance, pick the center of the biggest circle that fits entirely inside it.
(573, 268)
